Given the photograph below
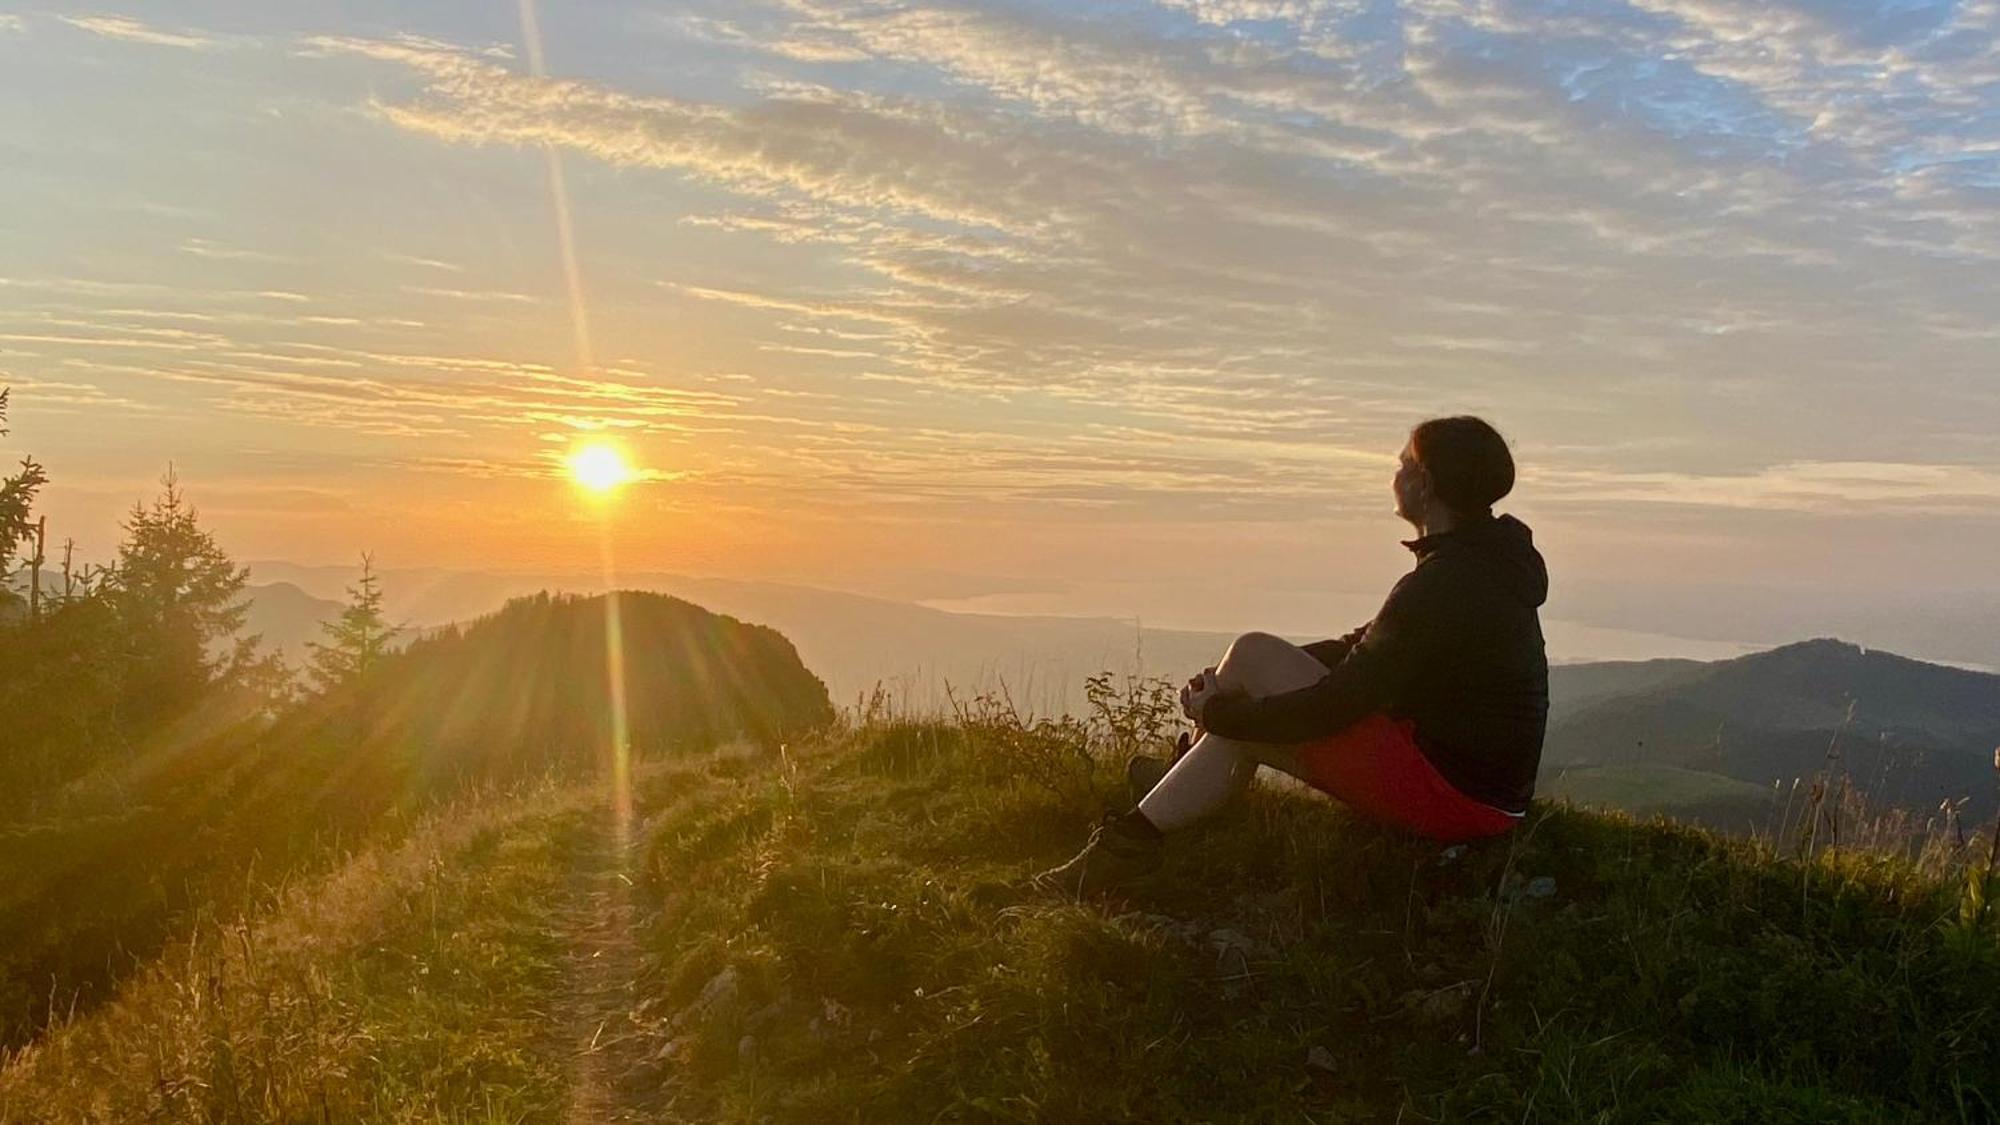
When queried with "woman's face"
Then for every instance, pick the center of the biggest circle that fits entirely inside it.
(1411, 487)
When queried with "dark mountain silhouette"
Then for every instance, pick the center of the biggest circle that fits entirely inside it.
(285, 617)
(1905, 732)
(533, 681)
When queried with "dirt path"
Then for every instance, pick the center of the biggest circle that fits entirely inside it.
(600, 919)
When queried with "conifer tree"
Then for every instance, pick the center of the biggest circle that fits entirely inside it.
(17, 498)
(179, 602)
(357, 638)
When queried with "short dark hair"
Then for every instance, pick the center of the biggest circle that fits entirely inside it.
(1467, 461)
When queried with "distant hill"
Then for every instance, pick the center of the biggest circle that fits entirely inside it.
(1919, 734)
(286, 617)
(533, 682)
(1574, 687)
(852, 641)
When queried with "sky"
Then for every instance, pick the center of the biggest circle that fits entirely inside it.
(1120, 308)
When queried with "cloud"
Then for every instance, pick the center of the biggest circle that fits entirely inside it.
(1243, 242)
(67, 396)
(1069, 238)
(131, 30)
(425, 263)
(1807, 486)
(470, 294)
(208, 248)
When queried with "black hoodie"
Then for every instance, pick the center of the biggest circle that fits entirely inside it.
(1457, 647)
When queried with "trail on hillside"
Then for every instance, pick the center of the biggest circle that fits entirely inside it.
(595, 1012)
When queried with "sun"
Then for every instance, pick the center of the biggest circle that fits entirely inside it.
(600, 467)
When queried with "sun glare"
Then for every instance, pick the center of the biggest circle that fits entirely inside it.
(600, 467)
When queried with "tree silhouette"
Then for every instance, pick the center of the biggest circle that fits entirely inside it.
(357, 639)
(178, 599)
(17, 498)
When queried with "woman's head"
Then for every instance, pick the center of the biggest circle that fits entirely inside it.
(1459, 465)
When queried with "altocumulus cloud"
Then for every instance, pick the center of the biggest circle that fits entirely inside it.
(1276, 229)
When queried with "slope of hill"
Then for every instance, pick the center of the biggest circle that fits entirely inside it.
(1688, 796)
(1917, 734)
(1573, 687)
(116, 865)
(536, 684)
(843, 933)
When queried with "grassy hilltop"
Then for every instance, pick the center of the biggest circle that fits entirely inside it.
(839, 931)
(101, 874)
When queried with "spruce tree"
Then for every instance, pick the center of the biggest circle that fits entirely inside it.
(357, 638)
(17, 499)
(179, 602)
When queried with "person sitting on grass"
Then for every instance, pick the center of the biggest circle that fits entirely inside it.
(1430, 717)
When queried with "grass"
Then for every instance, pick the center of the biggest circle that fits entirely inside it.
(841, 931)
(413, 984)
(847, 938)
(1683, 794)
(403, 988)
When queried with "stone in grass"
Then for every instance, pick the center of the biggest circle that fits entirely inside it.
(720, 990)
(1234, 951)
(746, 1048)
(1320, 1072)
(717, 995)
(756, 1020)
(1541, 886)
(1187, 932)
(1238, 946)
(1442, 1006)
(833, 1016)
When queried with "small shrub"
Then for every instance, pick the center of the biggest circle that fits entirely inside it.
(1074, 759)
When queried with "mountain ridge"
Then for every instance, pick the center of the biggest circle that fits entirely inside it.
(1904, 732)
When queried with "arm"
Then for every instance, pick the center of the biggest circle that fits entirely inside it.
(1332, 652)
(1328, 652)
(1402, 638)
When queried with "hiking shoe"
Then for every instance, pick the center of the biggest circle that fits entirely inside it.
(1118, 853)
(1144, 772)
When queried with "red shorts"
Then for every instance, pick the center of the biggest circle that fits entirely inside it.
(1376, 768)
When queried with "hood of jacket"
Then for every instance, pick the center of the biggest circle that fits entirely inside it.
(1500, 545)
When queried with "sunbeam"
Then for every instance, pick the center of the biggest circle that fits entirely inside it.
(531, 36)
(599, 468)
(621, 735)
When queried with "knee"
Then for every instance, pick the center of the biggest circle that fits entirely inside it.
(1261, 663)
(1243, 662)
(1248, 648)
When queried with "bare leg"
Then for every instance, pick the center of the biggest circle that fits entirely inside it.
(1216, 769)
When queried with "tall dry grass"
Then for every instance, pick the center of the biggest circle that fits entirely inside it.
(287, 1016)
